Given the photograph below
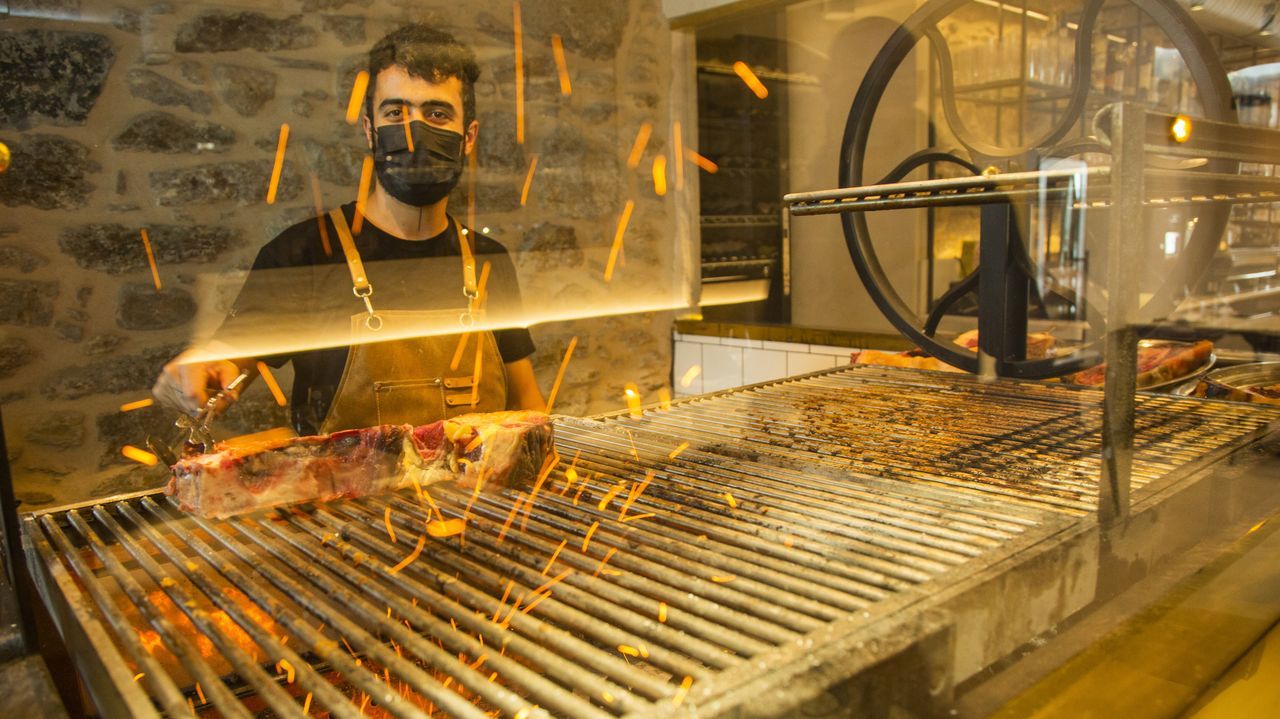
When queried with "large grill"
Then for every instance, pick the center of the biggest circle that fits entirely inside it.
(796, 538)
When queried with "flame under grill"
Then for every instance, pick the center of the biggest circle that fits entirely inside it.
(799, 510)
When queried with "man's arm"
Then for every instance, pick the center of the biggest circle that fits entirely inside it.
(522, 386)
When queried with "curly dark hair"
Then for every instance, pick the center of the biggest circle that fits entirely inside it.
(428, 53)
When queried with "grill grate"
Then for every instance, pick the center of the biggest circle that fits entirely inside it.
(626, 583)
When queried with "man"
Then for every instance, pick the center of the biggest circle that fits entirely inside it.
(420, 125)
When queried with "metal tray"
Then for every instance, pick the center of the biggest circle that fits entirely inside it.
(1233, 383)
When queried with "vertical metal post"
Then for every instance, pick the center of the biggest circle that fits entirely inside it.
(13, 559)
(1124, 251)
(1002, 288)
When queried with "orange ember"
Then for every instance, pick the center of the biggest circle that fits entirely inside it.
(617, 240)
(637, 147)
(749, 77)
(357, 96)
(557, 50)
(279, 166)
(151, 259)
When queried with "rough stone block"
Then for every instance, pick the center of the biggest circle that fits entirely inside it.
(244, 89)
(27, 303)
(47, 172)
(99, 345)
(63, 429)
(140, 306)
(549, 247)
(113, 375)
(347, 28)
(294, 63)
(51, 76)
(590, 28)
(117, 249)
(243, 182)
(21, 259)
(15, 354)
(68, 331)
(336, 162)
(159, 131)
(128, 20)
(218, 31)
(154, 87)
(496, 142)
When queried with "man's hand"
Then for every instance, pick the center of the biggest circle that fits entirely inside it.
(187, 386)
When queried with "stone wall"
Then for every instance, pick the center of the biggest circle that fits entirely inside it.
(140, 114)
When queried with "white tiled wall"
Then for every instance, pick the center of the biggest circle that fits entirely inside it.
(725, 362)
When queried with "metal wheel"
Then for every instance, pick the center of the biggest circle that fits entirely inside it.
(1215, 95)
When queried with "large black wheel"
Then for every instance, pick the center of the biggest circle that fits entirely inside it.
(1214, 91)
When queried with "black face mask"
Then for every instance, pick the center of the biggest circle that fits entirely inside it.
(426, 175)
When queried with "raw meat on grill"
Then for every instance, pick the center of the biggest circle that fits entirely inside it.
(499, 448)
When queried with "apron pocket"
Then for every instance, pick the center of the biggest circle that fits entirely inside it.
(402, 401)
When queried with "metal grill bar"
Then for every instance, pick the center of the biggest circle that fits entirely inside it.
(708, 543)
(171, 699)
(392, 589)
(262, 684)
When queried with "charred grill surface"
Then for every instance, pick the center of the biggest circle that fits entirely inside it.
(665, 562)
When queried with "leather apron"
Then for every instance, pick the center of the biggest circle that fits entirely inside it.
(410, 380)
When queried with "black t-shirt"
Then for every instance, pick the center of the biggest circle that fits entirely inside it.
(295, 288)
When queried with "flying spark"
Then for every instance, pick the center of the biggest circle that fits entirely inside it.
(151, 259)
(362, 196)
(683, 692)
(677, 142)
(519, 48)
(320, 215)
(637, 147)
(552, 561)
(557, 50)
(386, 519)
(357, 96)
(279, 166)
(679, 448)
(617, 239)
(272, 385)
(138, 455)
(607, 556)
(750, 79)
(130, 406)
(413, 556)
(528, 181)
(710, 167)
(445, 528)
(690, 375)
(632, 394)
(660, 175)
(586, 541)
(564, 363)
(662, 612)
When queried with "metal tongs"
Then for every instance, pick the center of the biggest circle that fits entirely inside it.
(193, 431)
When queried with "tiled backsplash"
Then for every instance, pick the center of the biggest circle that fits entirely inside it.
(725, 362)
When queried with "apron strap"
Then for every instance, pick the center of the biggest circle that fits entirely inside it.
(359, 279)
(468, 263)
(361, 286)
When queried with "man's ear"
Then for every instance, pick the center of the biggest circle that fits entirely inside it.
(368, 130)
(473, 131)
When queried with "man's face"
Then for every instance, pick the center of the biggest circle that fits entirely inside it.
(399, 97)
